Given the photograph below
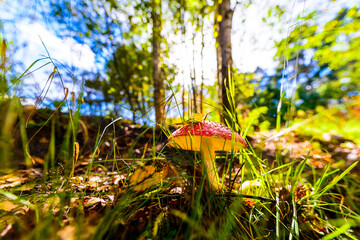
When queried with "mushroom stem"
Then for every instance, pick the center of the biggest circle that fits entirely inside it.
(209, 165)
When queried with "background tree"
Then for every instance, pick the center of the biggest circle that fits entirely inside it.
(317, 61)
(89, 21)
(198, 11)
(108, 26)
(188, 19)
(224, 20)
(323, 62)
(159, 87)
(128, 79)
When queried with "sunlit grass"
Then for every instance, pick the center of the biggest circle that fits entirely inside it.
(341, 120)
(349, 128)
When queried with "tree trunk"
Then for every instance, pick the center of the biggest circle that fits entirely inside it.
(193, 78)
(218, 60)
(183, 42)
(202, 66)
(224, 40)
(159, 88)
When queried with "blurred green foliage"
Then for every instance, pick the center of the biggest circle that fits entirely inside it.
(118, 32)
(324, 59)
(318, 65)
(247, 89)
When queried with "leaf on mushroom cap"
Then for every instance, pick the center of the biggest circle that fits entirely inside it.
(221, 136)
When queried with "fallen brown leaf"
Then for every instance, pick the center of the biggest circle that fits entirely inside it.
(7, 205)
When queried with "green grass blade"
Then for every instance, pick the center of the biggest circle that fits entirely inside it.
(336, 180)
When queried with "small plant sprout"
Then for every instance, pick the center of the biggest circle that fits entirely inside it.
(207, 137)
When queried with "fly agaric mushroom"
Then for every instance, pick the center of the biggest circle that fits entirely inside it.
(207, 137)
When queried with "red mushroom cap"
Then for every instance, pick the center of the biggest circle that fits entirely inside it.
(223, 138)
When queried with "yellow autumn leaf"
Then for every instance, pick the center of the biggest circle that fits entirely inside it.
(141, 173)
(146, 177)
(7, 205)
(198, 117)
(219, 18)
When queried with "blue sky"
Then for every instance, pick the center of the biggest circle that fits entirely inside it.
(30, 39)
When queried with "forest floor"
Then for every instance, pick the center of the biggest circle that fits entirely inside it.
(110, 192)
